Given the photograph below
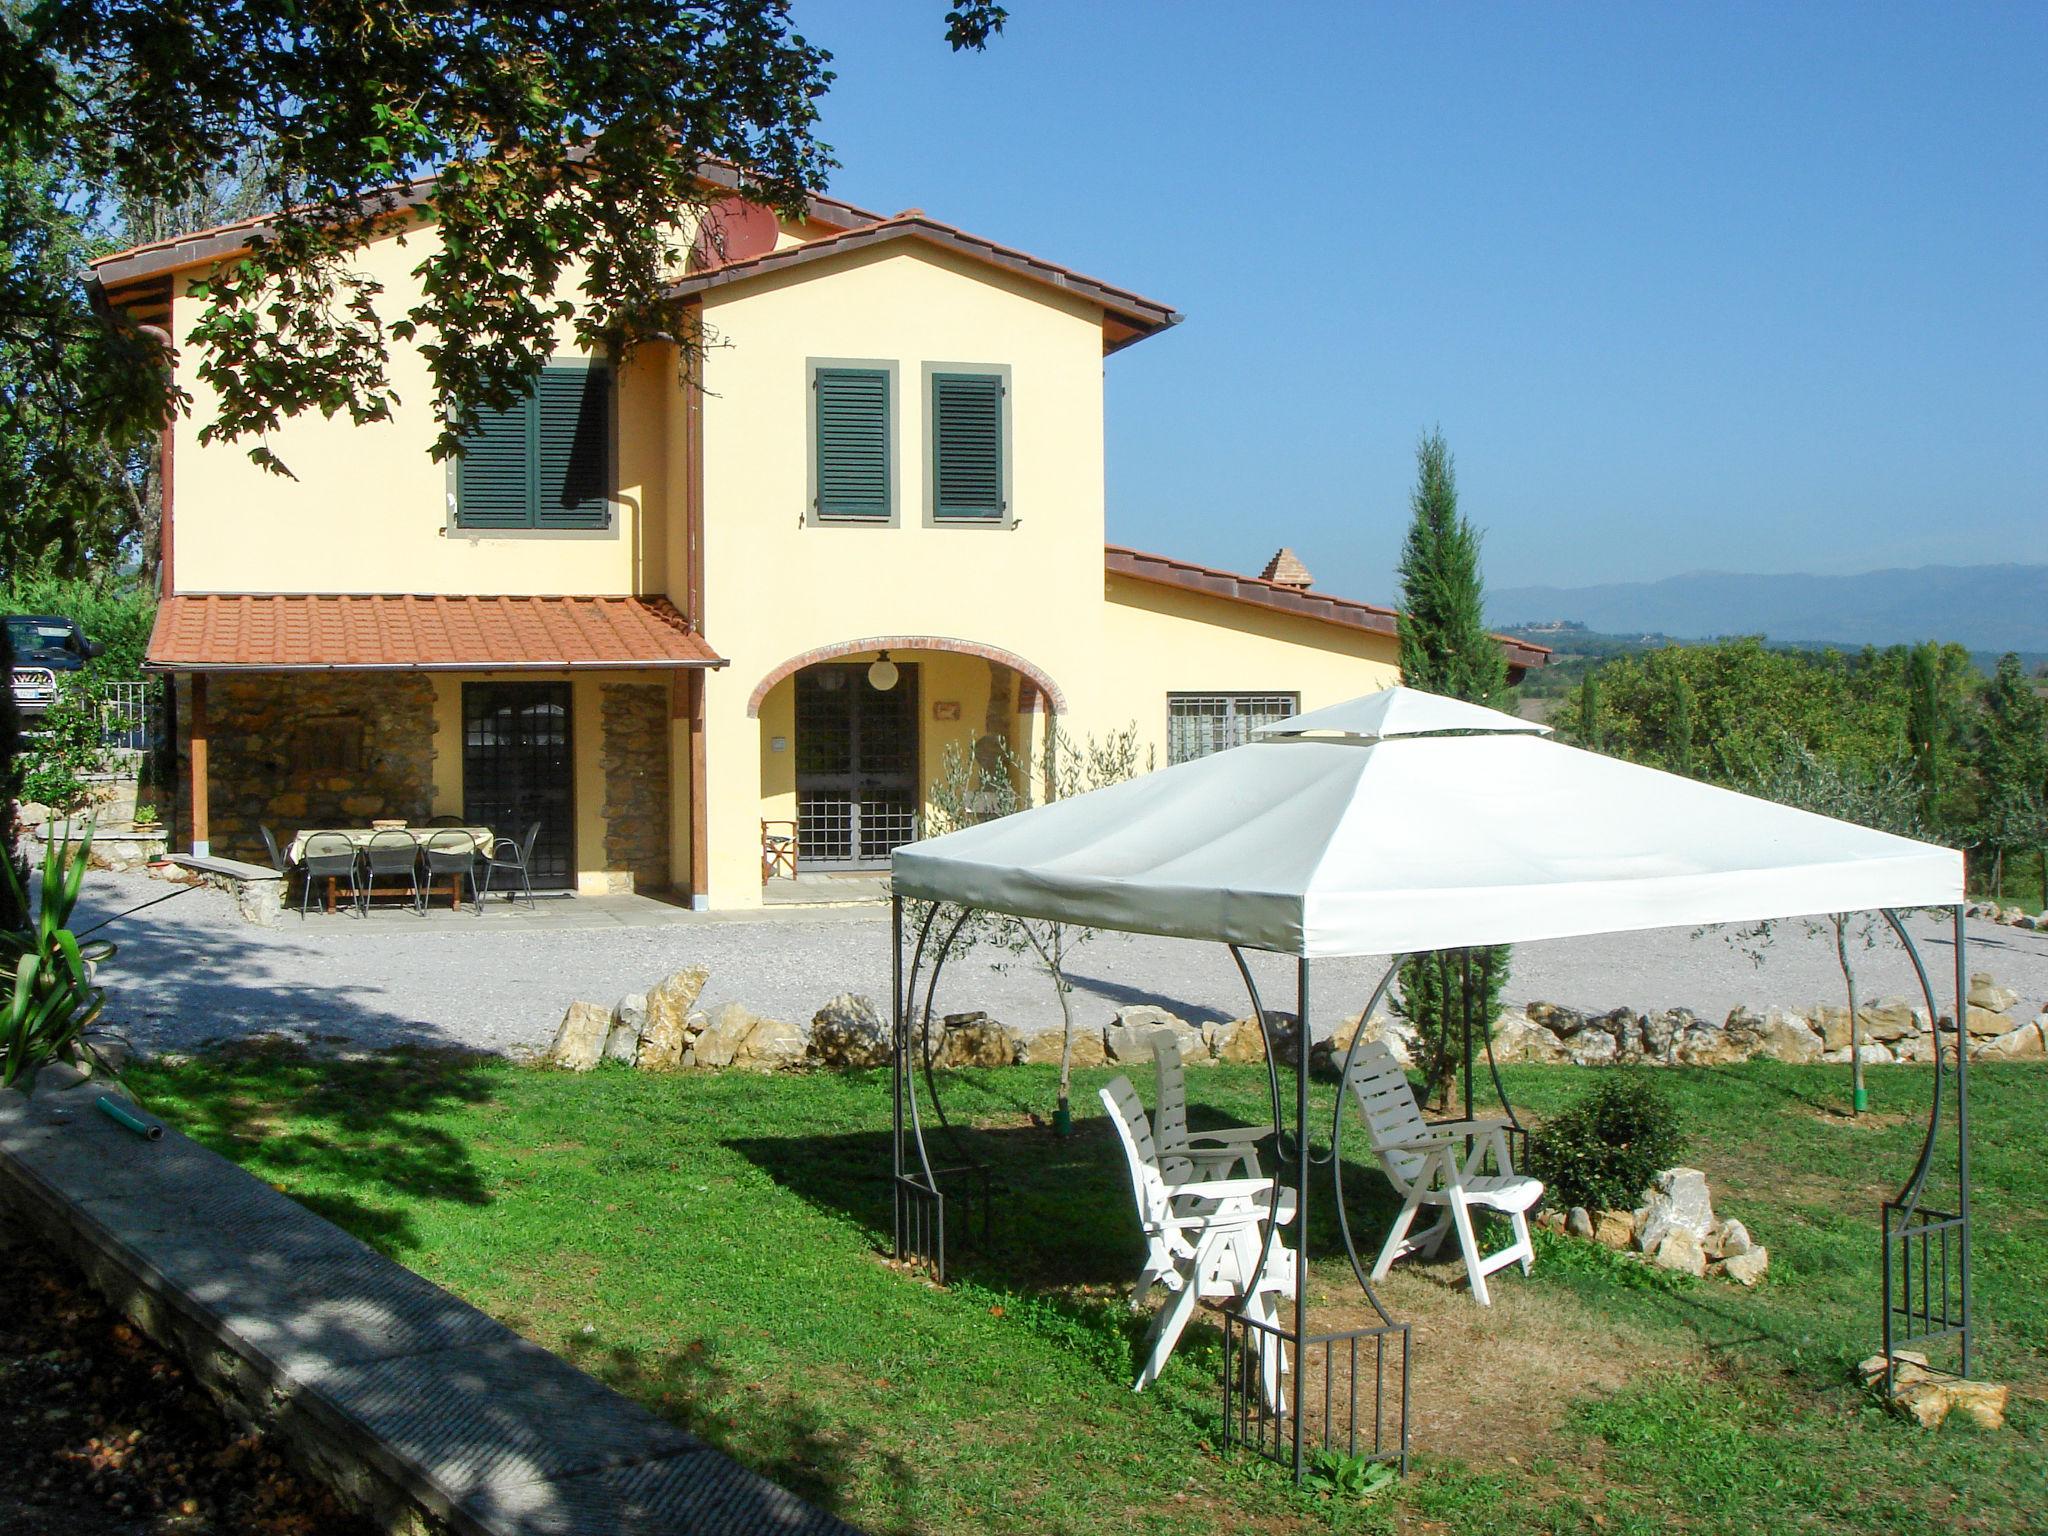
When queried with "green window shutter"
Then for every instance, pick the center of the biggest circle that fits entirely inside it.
(543, 463)
(573, 448)
(852, 448)
(495, 474)
(967, 445)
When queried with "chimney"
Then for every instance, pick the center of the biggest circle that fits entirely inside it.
(1286, 571)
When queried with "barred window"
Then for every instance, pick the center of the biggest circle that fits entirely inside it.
(1200, 723)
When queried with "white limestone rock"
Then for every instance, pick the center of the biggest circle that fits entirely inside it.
(1676, 1201)
(848, 1032)
(580, 1041)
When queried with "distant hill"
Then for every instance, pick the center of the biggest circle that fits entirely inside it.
(1984, 607)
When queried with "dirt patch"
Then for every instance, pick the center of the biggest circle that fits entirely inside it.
(1869, 1120)
(1492, 1385)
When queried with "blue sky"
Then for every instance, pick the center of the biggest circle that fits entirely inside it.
(1686, 287)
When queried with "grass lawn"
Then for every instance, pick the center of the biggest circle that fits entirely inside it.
(709, 1245)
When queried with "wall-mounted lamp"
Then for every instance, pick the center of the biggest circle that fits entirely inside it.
(882, 675)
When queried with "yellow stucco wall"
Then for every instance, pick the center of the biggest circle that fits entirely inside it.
(368, 509)
(1168, 641)
(779, 586)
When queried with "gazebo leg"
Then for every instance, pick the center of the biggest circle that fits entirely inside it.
(1299, 1394)
(1925, 1253)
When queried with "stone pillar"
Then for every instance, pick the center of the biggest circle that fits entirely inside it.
(636, 785)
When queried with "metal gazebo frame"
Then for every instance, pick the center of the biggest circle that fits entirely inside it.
(1923, 1302)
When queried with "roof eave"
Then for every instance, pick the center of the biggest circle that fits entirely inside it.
(664, 665)
(1144, 317)
(1275, 597)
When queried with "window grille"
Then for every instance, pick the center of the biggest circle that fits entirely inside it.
(1200, 723)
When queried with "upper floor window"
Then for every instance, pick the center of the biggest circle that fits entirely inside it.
(1200, 723)
(967, 425)
(545, 462)
(850, 465)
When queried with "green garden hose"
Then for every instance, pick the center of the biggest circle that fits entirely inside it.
(127, 1119)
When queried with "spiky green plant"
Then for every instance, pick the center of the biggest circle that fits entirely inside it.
(48, 999)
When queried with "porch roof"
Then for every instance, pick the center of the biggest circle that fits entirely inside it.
(318, 632)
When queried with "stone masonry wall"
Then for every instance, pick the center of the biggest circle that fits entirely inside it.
(316, 750)
(636, 785)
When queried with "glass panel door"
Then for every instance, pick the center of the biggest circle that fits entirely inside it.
(517, 770)
(856, 766)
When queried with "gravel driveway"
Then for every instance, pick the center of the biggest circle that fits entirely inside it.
(189, 973)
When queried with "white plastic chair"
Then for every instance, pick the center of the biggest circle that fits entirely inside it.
(1204, 1238)
(1423, 1162)
(1212, 1154)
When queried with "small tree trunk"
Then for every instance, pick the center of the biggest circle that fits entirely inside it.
(1858, 1100)
(1063, 1116)
(1053, 956)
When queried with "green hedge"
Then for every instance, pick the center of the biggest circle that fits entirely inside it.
(116, 611)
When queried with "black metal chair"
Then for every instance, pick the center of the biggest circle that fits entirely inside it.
(446, 820)
(327, 856)
(514, 858)
(277, 859)
(391, 853)
(453, 854)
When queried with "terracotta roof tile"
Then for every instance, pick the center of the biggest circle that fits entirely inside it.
(1165, 571)
(294, 632)
(223, 240)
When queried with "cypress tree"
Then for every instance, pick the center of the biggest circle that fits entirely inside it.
(1445, 645)
(1446, 649)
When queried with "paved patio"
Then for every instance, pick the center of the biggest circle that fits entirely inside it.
(190, 973)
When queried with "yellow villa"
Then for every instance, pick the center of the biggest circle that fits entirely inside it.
(688, 624)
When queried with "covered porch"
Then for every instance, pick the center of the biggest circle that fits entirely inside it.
(565, 724)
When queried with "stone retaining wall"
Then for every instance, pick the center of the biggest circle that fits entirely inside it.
(413, 1406)
(662, 1029)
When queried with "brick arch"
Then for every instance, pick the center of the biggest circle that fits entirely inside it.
(1055, 698)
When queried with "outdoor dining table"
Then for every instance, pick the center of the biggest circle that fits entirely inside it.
(359, 837)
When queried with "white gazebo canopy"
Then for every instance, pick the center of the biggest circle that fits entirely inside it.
(1403, 821)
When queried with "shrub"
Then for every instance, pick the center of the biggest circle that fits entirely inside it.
(66, 744)
(48, 998)
(1605, 1149)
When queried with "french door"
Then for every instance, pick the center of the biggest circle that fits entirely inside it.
(857, 789)
(517, 770)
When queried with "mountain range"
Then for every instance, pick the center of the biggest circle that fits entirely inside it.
(1984, 607)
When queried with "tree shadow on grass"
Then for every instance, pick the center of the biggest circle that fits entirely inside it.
(772, 1427)
(1061, 1214)
(354, 1139)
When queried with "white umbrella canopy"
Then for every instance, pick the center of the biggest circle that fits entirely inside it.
(1382, 841)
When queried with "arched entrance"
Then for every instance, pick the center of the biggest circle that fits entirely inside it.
(857, 734)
